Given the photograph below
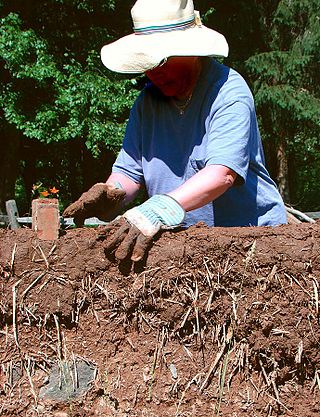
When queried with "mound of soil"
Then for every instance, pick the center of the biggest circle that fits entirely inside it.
(216, 322)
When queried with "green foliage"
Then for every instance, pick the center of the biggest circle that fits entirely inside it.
(304, 152)
(53, 102)
(286, 87)
(70, 110)
(24, 53)
(90, 6)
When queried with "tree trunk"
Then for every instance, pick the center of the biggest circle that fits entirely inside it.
(96, 169)
(9, 163)
(282, 177)
(29, 175)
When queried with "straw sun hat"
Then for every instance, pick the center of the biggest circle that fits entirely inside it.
(162, 28)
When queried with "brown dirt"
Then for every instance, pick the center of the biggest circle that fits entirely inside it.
(218, 322)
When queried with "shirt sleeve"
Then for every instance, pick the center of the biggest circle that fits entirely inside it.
(229, 136)
(129, 159)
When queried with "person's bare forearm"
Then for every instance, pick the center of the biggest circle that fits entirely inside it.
(129, 186)
(205, 186)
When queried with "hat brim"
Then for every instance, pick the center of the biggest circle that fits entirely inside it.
(137, 53)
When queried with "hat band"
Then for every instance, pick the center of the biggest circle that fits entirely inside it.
(165, 28)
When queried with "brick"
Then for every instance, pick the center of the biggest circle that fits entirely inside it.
(46, 218)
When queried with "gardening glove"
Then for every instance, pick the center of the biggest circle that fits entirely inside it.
(135, 229)
(101, 200)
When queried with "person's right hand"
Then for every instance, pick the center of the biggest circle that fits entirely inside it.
(131, 235)
(101, 200)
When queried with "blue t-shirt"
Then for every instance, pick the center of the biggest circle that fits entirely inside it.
(162, 148)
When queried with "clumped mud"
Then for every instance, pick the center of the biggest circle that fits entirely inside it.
(216, 322)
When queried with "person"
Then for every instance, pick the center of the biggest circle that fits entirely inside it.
(192, 139)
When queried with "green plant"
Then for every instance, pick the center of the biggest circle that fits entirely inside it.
(40, 191)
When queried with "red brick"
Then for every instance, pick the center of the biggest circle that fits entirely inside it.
(46, 218)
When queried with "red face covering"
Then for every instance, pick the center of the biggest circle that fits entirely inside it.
(176, 77)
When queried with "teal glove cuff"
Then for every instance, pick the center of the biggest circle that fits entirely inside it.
(159, 212)
(162, 209)
(118, 185)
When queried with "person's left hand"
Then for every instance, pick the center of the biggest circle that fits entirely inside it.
(135, 229)
(101, 200)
